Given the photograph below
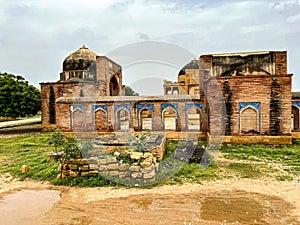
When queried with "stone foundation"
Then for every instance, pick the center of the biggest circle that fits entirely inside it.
(111, 168)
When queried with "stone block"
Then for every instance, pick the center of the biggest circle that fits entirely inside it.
(84, 168)
(134, 168)
(93, 173)
(111, 160)
(73, 167)
(74, 174)
(102, 161)
(84, 174)
(124, 174)
(103, 172)
(146, 163)
(114, 173)
(83, 162)
(94, 167)
(148, 169)
(123, 167)
(25, 169)
(149, 180)
(136, 155)
(114, 166)
(149, 175)
(103, 167)
(136, 175)
(65, 167)
(65, 172)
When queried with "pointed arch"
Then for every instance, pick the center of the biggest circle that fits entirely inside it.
(100, 116)
(146, 119)
(295, 118)
(78, 119)
(113, 86)
(122, 119)
(169, 116)
(194, 118)
(249, 120)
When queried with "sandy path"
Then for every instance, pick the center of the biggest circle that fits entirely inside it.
(244, 201)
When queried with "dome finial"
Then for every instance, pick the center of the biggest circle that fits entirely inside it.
(83, 46)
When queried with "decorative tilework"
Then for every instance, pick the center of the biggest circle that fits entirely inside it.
(199, 106)
(74, 107)
(255, 105)
(118, 107)
(174, 106)
(244, 105)
(143, 106)
(296, 104)
(188, 106)
(95, 107)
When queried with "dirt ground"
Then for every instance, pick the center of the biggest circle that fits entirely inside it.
(244, 201)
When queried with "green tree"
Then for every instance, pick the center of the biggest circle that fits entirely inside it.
(17, 97)
(129, 91)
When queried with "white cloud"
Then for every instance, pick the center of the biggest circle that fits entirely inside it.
(44, 32)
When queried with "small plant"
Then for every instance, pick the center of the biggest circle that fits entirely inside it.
(66, 147)
(139, 141)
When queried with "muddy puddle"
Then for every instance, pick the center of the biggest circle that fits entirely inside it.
(235, 207)
(26, 207)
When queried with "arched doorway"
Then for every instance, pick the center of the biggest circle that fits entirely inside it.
(113, 87)
(169, 118)
(146, 119)
(101, 120)
(249, 120)
(78, 120)
(194, 119)
(295, 118)
(123, 119)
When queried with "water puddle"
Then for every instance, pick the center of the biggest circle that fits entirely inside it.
(26, 207)
(233, 210)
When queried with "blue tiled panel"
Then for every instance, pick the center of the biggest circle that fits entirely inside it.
(164, 106)
(255, 105)
(243, 105)
(117, 107)
(74, 107)
(188, 106)
(296, 104)
(95, 107)
(143, 106)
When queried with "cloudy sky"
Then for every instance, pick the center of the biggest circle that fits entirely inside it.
(36, 35)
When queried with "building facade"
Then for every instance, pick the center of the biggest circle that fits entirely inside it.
(237, 95)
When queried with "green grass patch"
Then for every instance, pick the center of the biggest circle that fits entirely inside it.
(28, 150)
(244, 170)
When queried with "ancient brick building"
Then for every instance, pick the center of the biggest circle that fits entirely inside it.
(245, 97)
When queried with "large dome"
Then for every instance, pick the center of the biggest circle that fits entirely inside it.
(194, 64)
(79, 60)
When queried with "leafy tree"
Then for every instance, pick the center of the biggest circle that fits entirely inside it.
(130, 92)
(17, 97)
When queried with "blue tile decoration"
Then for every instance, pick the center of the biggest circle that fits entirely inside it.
(296, 104)
(174, 106)
(118, 107)
(74, 107)
(255, 105)
(148, 106)
(188, 106)
(199, 106)
(95, 107)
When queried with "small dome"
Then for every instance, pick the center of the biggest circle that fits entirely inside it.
(79, 60)
(194, 64)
